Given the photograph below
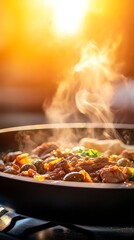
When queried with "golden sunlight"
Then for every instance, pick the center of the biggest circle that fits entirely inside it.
(68, 15)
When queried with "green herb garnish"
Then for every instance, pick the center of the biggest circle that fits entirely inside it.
(88, 152)
(131, 174)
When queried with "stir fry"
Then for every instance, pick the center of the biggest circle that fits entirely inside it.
(90, 161)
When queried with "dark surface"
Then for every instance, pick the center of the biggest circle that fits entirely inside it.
(23, 227)
(21, 118)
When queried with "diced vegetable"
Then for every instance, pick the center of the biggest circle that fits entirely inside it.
(88, 152)
(130, 172)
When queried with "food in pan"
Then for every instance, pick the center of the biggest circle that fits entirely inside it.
(92, 161)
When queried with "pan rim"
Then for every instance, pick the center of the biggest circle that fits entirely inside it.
(67, 125)
(70, 184)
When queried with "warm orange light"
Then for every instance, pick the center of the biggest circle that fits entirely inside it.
(68, 14)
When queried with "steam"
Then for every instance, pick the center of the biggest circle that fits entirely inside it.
(85, 95)
(93, 105)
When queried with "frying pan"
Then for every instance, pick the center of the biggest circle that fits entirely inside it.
(67, 202)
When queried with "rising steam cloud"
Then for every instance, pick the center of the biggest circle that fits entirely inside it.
(85, 95)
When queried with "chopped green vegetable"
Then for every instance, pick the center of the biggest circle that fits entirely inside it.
(131, 174)
(88, 152)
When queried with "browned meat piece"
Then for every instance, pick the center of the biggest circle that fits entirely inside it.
(57, 174)
(10, 157)
(128, 154)
(112, 174)
(95, 164)
(45, 148)
(95, 177)
(64, 165)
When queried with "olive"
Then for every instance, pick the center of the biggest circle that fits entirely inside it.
(124, 162)
(39, 166)
(74, 176)
(11, 171)
(2, 165)
(27, 166)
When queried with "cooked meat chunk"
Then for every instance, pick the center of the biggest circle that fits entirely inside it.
(95, 164)
(112, 174)
(128, 154)
(45, 148)
(64, 165)
(10, 157)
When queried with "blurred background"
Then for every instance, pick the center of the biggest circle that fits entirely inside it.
(41, 43)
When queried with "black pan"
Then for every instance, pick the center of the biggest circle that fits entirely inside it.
(69, 202)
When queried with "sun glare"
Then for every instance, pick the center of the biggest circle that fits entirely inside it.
(68, 15)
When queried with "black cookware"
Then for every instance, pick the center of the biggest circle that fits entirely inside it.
(69, 202)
